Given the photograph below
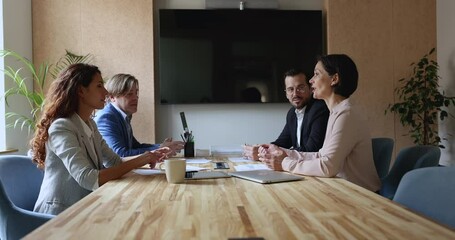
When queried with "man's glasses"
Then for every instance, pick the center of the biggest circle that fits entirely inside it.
(298, 89)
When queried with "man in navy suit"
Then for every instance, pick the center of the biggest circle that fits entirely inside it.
(113, 120)
(306, 121)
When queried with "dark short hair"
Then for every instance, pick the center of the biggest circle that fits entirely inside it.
(294, 72)
(346, 69)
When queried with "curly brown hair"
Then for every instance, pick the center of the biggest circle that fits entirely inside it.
(61, 101)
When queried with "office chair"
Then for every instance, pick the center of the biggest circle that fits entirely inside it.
(21, 180)
(409, 158)
(430, 191)
(382, 154)
(15, 222)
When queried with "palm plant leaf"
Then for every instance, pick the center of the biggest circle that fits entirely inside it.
(36, 96)
(21, 121)
(68, 59)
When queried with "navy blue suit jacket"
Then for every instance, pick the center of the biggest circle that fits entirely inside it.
(112, 127)
(313, 128)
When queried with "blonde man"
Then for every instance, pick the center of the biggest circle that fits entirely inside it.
(113, 120)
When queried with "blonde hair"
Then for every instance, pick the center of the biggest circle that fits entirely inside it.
(120, 84)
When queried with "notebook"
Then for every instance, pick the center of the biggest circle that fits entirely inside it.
(206, 175)
(265, 176)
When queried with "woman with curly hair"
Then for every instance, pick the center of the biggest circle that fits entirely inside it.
(68, 146)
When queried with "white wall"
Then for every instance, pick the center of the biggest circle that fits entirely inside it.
(225, 124)
(446, 60)
(17, 26)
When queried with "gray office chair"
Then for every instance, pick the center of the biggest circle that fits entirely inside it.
(382, 154)
(431, 192)
(409, 158)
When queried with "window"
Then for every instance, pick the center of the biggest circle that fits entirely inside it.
(2, 87)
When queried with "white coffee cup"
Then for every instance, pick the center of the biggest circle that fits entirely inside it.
(175, 170)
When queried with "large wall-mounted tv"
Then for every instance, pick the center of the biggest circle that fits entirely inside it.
(233, 56)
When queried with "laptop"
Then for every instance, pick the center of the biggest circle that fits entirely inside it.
(205, 175)
(266, 176)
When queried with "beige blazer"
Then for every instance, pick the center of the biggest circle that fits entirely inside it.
(347, 150)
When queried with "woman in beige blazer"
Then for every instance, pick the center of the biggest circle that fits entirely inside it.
(347, 150)
(67, 145)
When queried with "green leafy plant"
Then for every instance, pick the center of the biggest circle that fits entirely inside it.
(68, 59)
(421, 102)
(35, 97)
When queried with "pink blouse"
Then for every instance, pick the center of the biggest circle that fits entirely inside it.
(346, 152)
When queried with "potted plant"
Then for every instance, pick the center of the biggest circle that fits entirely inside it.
(35, 97)
(421, 102)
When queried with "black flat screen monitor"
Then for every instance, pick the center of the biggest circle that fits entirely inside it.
(233, 56)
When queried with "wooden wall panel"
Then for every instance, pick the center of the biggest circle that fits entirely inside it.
(118, 33)
(56, 27)
(383, 38)
(414, 34)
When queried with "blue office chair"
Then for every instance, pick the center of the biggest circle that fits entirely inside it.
(382, 154)
(15, 222)
(431, 192)
(21, 180)
(409, 158)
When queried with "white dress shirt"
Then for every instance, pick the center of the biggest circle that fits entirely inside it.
(299, 113)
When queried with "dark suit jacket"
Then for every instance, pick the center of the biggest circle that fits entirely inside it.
(313, 128)
(112, 127)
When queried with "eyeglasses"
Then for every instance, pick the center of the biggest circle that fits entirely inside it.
(298, 89)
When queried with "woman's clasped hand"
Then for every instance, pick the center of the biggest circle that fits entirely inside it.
(272, 155)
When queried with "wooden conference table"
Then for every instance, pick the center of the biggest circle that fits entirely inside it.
(147, 207)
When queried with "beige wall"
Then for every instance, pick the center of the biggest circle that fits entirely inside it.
(118, 33)
(383, 37)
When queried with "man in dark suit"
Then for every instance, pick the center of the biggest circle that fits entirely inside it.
(306, 121)
(113, 120)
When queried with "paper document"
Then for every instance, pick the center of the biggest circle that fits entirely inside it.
(239, 159)
(249, 167)
(197, 160)
(144, 171)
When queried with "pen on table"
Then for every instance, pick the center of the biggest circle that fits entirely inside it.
(186, 134)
